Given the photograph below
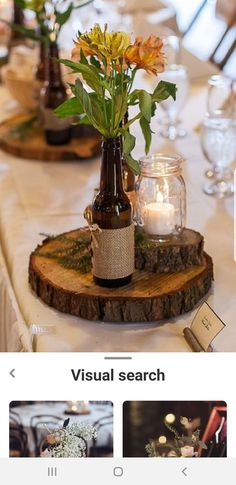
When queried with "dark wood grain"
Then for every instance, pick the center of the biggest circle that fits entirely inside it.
(149, 297)
(176, 254)
(85, 143)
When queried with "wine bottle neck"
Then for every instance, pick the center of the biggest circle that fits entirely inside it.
(41, 74)
(111, 170)
(53, 67)
(18, 15)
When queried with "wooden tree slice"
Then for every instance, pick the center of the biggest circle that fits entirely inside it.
(177, 254)
(149, 297)
(25, 141)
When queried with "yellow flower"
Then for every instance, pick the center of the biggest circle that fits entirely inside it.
(35, 5)
(87, 50)
(111, 45)
(116, 43)
(146, 54)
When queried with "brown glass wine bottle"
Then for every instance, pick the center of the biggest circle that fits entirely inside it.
(16, 37)
(57, 131)
(113, 242)
(40, 73)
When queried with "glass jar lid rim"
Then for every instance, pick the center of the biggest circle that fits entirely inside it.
(160, 164)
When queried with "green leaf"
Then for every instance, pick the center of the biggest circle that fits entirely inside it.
(163, 91)
(145, 104)
(133, 164)
(95, 63)
(203, 445)
(79, 67)
(21, 3)
(84, 120)
(134, 97)
(128, 146)
(83, 97)
(89, 73)
(120, 109)
(97, 109)
(28, 33)
(91, 106)
(147, 133)
(83, 59)
(71, 107)
(129, 142)
(63, 17)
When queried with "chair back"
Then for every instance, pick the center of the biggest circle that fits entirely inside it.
(18, 441)
(15, 419)
(39, 425)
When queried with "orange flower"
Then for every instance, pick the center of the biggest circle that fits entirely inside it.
(146, 54)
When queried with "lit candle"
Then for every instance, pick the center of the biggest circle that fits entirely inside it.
(74, 406)
(159, 217)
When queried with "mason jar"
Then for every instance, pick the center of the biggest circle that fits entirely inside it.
(161, 196)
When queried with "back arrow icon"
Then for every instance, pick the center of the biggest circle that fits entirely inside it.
(184, 472)
(12, 373)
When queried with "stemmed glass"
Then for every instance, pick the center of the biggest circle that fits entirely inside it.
(219, 103)
(219, 147)
(177, 74)
(218, 137)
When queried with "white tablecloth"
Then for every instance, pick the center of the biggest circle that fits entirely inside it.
(37, 197)
(14, 334)
(57, 409)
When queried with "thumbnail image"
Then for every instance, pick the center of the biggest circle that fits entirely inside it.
(61, 429)
(179, 429)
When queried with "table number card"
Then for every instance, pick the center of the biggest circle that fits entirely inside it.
(205, 326)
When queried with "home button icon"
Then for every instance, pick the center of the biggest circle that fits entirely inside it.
(118, 471)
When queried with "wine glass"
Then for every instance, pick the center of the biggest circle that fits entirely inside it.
(177, 74)
(172, 46)
(219, 146)
(219, 103)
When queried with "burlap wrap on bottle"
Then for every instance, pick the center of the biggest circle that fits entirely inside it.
(113, 253)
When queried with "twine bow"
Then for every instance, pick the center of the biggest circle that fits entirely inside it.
(92, 227)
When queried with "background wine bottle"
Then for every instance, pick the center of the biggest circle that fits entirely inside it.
(18, 19)
(111, 208)
(57, 131)
(40, 71)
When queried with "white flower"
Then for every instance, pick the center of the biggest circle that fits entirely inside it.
(70, 442)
